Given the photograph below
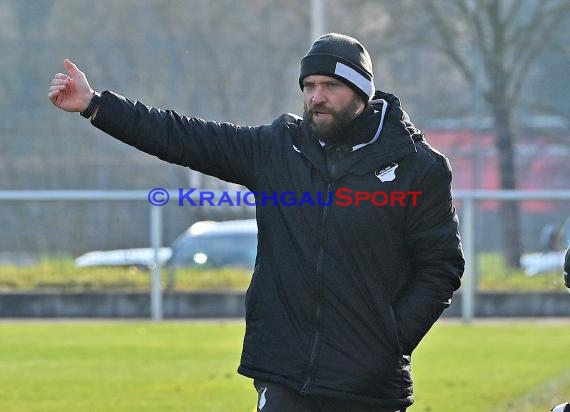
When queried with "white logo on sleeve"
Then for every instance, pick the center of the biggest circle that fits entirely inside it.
(262, 399)
(388, 173)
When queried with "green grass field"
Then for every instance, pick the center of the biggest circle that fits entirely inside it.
(187, 366)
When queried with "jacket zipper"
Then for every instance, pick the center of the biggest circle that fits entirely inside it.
(315, 342)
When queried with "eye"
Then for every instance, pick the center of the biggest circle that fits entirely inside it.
(308, 86)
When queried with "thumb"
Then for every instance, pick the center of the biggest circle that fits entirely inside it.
(71, 68)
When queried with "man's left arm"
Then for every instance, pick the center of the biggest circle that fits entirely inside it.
(436, 256)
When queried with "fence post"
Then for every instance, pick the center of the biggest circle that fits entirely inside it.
(155, 243)
(468, 281)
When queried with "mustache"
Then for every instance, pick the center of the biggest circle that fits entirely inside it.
(319, 108)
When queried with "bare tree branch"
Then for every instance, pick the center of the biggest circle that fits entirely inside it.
(474, 18)
(447, 35)
(520, 36)
(543, 35)
(512, 14)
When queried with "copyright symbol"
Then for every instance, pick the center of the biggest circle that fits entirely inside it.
(158, 197)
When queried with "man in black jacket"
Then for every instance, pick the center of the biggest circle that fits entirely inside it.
(348, 280)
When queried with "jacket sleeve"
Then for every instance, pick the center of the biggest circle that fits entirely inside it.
(436, 257)
(224, 150)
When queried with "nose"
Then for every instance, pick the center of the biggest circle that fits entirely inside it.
(319, 95)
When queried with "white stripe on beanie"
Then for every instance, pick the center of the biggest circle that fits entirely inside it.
(351, 75)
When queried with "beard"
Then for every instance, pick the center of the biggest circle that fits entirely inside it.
(333, 131)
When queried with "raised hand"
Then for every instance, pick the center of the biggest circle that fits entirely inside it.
(72, 92)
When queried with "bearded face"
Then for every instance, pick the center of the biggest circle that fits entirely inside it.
(329, 105)
(328, 124)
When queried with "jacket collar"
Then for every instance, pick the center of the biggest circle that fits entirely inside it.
(365, 128)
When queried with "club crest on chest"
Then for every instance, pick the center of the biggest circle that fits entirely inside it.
(388, 173)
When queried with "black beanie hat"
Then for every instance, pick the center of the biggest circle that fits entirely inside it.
(342, 57)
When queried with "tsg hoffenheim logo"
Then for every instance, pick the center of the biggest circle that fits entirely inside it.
(388, 173)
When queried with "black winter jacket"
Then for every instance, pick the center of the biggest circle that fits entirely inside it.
(341, 294)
